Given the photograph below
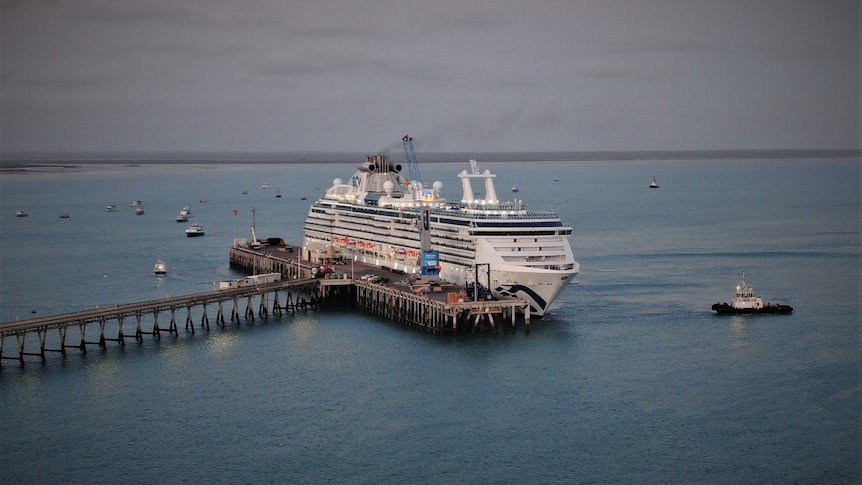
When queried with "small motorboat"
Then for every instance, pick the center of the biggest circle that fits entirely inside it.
(160, 267)
(111, 207)
(20, 214)
(65, 215)
(265, 185)
(184, 214)
(745, 302)
(195, 230)
(139, 211)
(653, 184)
(514, 189)
(136, 203)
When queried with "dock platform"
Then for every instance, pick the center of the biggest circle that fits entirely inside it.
(429, 304)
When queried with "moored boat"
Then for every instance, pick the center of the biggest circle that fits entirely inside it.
(65, 215)
(139, 211)
(747, 302)
(111, 207)
(653, 184)
(20, 214)
(183, 216)
(136, 203)
(380, 217)
(160, 267)
(195, 230)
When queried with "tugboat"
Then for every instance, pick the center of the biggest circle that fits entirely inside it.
(746, 302)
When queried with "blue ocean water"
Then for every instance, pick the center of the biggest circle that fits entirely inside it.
(630, 379)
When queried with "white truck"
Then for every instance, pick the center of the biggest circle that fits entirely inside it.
(258, 279)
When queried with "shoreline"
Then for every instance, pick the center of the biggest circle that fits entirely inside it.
(55, 162)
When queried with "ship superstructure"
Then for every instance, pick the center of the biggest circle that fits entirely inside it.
(377, 217)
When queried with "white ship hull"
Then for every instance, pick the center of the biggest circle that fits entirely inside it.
(508, 249)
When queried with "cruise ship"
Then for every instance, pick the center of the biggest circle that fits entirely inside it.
(381, 218)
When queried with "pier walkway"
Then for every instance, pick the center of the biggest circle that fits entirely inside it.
(298, 294)
(431, 305)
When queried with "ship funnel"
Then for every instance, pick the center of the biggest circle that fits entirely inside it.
(488, 178)
(467, 197)
(377, 163)
(490, 192)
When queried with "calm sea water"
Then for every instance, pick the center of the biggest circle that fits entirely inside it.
(630, 379)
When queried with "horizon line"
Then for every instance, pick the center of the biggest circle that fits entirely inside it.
(316, 156)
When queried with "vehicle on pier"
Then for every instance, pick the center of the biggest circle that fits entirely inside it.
(258, 279)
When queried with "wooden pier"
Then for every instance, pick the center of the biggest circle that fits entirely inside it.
(114, 323)
(431, 306)
(437, 315)
(440, 309)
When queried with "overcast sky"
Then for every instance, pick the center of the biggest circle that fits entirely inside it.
(459, 75)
